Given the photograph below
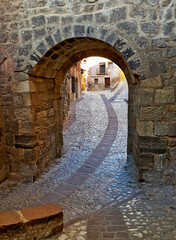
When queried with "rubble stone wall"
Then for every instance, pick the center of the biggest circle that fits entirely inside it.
(40, 41)
(3, 162)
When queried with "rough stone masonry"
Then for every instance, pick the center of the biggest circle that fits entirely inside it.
(41, 40)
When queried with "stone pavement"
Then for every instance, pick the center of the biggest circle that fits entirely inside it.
(94, 183)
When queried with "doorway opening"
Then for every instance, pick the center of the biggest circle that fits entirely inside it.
(90, 122)
(107, 82)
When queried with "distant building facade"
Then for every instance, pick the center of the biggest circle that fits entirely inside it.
(103, 74)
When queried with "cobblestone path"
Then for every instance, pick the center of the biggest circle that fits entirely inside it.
(94, 183)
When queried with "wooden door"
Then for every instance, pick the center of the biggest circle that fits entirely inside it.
(107, 82)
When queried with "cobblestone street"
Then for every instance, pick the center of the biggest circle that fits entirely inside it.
(94, 182)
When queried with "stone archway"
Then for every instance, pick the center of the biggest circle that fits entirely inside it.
(139, 36)
(45, 92)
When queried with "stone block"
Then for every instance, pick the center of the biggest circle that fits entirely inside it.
(20, 87)
(26, 35)
(168, 28)
(79, 30)
(160, 42)
(91, 1)
(25, 50)
(29, 155)
(157, 54)
(154, 82)
(35, 57)
(127, 53)
(21, 76)
(144, 128)
(146, 161)
(172, 153)
(11, 126)
(9, 140)
(151, 175)
(101, 17)
(140, 41)
(145, 96)
(152, 144)
(53, 20)
(170, 113)
(102, 33)
(151, 113)
(120, 43)
(171, 142)
(57, 36)
(118, 14)
(173, 64)
(43, 135)
(160, 161)
(137, 2)
(9, 221)
(37, 214)
(165, 95)
(50, 41)
(55, 3)
(136, 11)
(161, 129)
(33, 220)
(42, 114)
(171, 52)
(39, 33)
(42, 48)
(110, 38)
(23, 113)
(38, 21)
(89, 8)
(164, 3)
(128, 27)
(134, 64)
(50, 112)
(36, 99)
(150, 28)
(168, 15)
(3, 167)
(25, 141)
(85, 18)
(157, 67)
(172, 130)
(26, 99)
(26, 127)
(152, 2)
(67, 20)
(13, 176)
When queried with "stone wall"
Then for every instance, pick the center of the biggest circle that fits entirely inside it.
(68, 93)
(41, 40)
(3, 162)
(66, 96)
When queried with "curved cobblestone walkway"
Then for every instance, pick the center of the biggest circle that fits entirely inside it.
(93, 182)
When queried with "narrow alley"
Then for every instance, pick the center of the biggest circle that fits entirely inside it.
(94, 183)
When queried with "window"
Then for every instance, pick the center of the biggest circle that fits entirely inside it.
(110, 65)
(102, 68)
(96, 81)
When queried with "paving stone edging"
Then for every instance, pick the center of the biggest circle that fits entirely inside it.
(40, 222)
